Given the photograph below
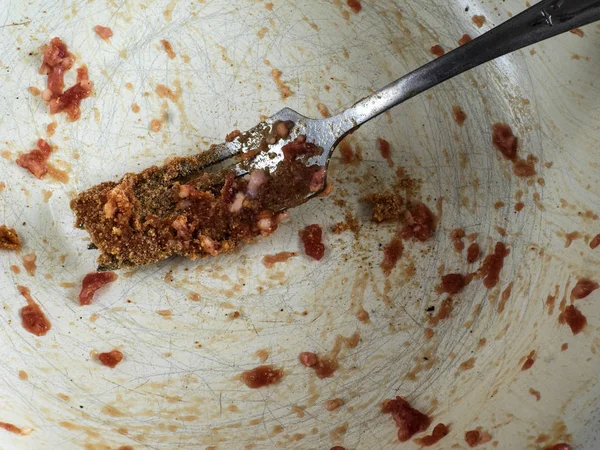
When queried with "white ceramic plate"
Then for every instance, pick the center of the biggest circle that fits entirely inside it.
(177, 386)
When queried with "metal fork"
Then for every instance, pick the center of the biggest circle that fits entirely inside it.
(546, 19)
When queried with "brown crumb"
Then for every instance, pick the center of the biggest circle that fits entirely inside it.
(9, 239)
(351, 224)
(386, 206)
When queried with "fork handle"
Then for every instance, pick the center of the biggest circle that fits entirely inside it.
(541, 21)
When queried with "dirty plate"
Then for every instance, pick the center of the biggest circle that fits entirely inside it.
(188, 329)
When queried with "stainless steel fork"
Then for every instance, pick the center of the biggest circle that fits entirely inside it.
(546, 19)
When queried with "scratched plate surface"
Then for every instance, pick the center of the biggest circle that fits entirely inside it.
(177, 386)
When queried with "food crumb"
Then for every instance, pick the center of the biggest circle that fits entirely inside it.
(452, 283)
(312, 238)
(92, 282)
(270, 260)
(283, 88)
(14, 429)
(33, 318)
(457, 236)
(156, 125)
(439, 431)
(362, 315)
(392, 252)
(419, 222)
(36, 160)
(492, 265)
(529, 361)
(409, 421)
(9, 239)
(473, 253)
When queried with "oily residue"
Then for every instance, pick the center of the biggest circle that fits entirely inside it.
(283, 88)
(14, 429)
(444, 312)
(536, 394)
(29, 263)
(457, 236)
(492, 265)
(270, 260)
(574, 318)
(473, 253)
(453, 283)
(504, 297)
(583, 288)
(325, 366)
(323, 110)
(506, 143)
(464, 39)
(168, 48)
(409, 420)
(459, 115)
(529, 361)
(467, 365)
(392, 252)
(478, 21)
(384, 150)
